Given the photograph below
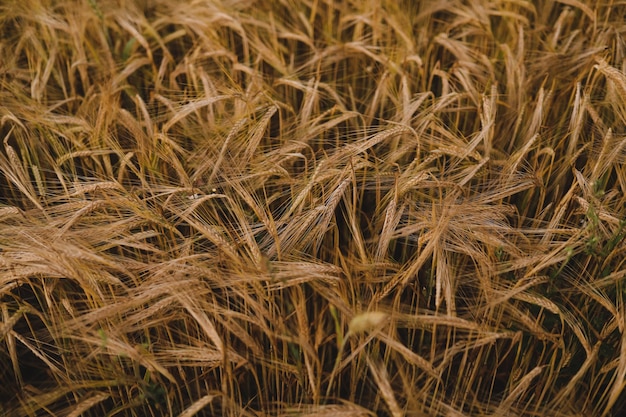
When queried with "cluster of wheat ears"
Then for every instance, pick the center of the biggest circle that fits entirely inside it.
(312, 207)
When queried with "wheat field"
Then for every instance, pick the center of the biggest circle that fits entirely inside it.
(312, 208)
